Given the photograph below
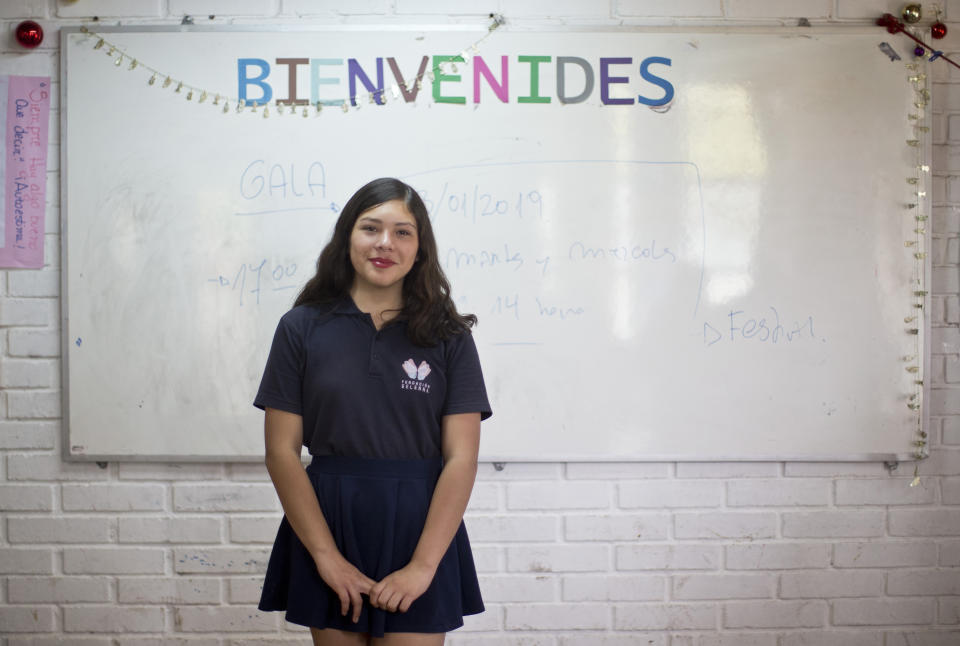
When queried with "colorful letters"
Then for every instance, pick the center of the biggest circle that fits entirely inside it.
(332, 81)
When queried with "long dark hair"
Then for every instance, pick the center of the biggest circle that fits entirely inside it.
(427, 307)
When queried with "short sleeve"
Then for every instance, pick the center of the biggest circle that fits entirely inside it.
(466, 392)
(282, 378)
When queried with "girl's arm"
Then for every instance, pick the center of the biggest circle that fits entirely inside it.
(460, 446)
(283, 436)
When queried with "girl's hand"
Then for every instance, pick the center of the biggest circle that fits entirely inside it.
(345, 580)
(401, 588)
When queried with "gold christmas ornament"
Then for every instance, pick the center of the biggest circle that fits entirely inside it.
(911, 13)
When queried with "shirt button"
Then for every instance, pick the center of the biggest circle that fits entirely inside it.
(376, 356)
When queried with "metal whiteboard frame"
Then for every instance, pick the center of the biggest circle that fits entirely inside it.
(64, 222)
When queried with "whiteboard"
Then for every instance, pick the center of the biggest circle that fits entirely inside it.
(721, 276)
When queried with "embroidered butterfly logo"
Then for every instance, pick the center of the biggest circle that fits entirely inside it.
(416, 372)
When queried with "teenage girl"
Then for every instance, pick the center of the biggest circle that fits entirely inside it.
(376, 372)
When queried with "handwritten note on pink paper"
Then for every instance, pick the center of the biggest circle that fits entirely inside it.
(24, 169)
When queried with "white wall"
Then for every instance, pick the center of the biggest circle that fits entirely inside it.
(739, 554)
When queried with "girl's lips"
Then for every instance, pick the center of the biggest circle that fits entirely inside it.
(382, 263)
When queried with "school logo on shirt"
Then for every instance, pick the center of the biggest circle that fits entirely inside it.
(417, 375)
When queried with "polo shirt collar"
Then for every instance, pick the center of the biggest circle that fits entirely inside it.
(345, 306)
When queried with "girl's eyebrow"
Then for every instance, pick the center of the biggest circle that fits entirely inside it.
(379, 221)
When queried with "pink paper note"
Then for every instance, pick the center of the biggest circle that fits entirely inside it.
(24, 170)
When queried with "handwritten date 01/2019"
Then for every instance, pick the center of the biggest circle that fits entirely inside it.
(479, 204)
(768, 329)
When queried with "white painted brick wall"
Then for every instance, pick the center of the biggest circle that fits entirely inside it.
(822, 584)
(152, 529)
(777, 556)
(834, 638)
(878, 612)
(114, 560)
(220, 560)
(619, 554)
(64, 589)
(244, 589)
(113, 619)
(181, 590)
(518, 588)
(846, 523)
(111, 9)
(672, 493)
(613, 588)
(106, 496)
(33, 343)
(27, 619)
(513, 528)
(775, 614)
(580, 616)
(950, 553)
(679, 556)
(619, 527)
(665, 616)
(723, 586)
(225, 619)
(888, 554)
(15, 560)
(65, 529)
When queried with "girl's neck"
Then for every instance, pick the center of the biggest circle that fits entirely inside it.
(381, 305)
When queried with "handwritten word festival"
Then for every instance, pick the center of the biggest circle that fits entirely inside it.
(620, 80)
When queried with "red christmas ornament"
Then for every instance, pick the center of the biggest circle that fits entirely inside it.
(29, 34)
(938, 30)
(890, 22)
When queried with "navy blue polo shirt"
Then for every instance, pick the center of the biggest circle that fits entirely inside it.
(364, 392)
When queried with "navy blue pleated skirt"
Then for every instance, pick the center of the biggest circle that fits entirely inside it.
(376, 510)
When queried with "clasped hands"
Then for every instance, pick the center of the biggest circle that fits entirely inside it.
(394, 593)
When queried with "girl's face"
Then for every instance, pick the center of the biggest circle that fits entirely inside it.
(383, 246)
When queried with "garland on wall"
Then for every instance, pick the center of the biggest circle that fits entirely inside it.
(227, 103)
(916, 318)
(916, 207)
